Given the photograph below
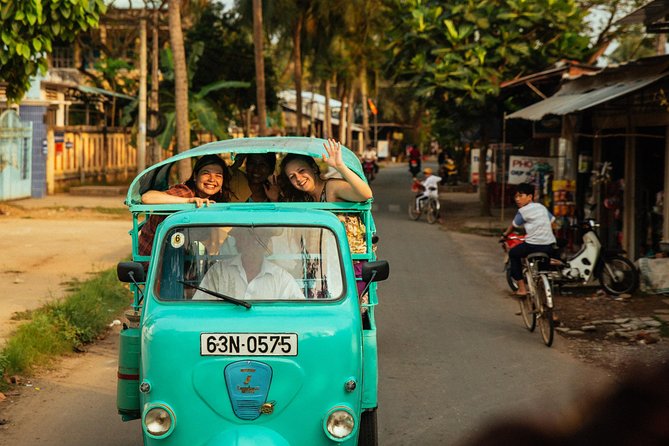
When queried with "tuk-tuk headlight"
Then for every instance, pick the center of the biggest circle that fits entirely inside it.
(340, 423)
(159, 421)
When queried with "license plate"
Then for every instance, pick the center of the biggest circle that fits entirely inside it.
(248, 344)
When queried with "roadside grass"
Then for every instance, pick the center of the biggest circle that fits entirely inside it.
(64, 326)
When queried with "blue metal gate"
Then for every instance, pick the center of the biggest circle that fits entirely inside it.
(15, 156)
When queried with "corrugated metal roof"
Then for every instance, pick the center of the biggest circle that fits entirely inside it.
(647, 14)
(589, 91)
(313, 105)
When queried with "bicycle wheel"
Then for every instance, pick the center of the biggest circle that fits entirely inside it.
(432, 211)
(544, 305)
(414, 213)
(618, 275)
(527, 304)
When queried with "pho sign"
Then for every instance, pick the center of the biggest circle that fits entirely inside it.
(520, 167)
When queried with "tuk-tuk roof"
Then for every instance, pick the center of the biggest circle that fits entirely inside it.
(157, 176)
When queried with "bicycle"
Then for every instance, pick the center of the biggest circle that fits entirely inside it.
(430, 207)
(537, 305)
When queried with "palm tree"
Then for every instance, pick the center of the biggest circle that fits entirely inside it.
(203, 112)
(180, 85)
(288, 19)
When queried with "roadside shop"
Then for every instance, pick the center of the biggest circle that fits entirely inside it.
(611, 151)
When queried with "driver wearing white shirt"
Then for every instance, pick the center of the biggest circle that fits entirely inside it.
(249, 275)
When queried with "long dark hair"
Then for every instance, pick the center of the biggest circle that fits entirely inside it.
(223, 195)
(288, 190)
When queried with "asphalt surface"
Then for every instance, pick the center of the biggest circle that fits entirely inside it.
(453, 354)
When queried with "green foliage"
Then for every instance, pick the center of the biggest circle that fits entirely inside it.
(457, 53)
(227, 55)
(634, 44)
(28, 30)
(202, 112)
(61, 327)
(115, 76)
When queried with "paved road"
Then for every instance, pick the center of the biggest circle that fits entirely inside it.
(452, 352)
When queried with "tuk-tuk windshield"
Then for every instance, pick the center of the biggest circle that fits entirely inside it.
(249, 263)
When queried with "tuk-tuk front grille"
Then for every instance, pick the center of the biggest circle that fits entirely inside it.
(248, 410)
(248, 384)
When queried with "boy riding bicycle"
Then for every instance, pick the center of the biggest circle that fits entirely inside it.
(537, 222)
(429, 187)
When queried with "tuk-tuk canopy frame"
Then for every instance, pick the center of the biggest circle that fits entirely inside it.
(157, 176)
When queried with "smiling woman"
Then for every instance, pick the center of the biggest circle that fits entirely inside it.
(208, 184)
(301, 178)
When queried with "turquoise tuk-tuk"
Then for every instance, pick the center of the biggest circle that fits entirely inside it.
(296, 363)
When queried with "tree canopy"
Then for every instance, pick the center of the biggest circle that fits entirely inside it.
(29, 27)
(459, 52)
(227, 55)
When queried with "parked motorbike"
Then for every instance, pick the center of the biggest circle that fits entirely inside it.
(448, 172)
(615, 273)
(369, 170)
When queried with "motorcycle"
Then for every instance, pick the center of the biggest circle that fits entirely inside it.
(615, 273)
(448, 171)
(414, 166)
(369, 169)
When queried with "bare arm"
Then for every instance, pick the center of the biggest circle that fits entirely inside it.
(159, 197)
(353, 188)
(508, 231)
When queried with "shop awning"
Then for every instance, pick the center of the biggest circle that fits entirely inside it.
(589, 91)
(647, 14)
(95, 90)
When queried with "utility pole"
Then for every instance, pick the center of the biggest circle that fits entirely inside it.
(260, 67)
(141, 134)
(155, 45)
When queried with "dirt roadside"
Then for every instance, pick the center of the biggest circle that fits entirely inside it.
(51, 241)
(619, 334)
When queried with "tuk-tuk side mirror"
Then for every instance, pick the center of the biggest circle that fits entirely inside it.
(130, 272)
(375, 271)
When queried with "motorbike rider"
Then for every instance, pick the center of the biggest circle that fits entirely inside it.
(429, 186)
(537, 222)
(369, 156)
(414, 160)
(448, 170)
